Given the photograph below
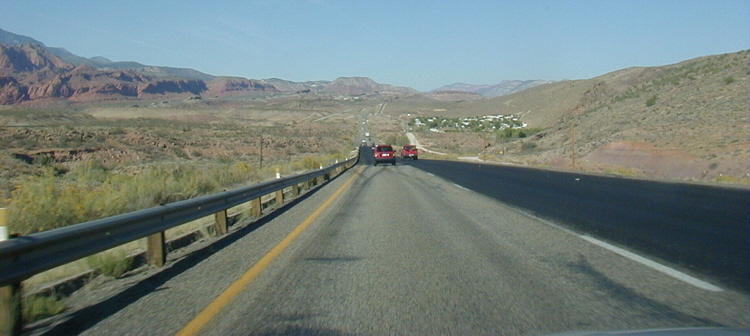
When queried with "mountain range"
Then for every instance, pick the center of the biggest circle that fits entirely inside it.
(233, 85)
(31, 73)
(100, 62)
(505, 87)
(111, 75)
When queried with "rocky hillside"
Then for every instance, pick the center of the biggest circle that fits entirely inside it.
(362, 85)
(505, 87)
(31, 73)
(454, 95)
(30, 58)
(229, 86)
(688, 120)
(103, 63)
(296, 87)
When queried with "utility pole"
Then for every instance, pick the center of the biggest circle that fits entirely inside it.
(485, 144)
(261, 151)
(573, 143)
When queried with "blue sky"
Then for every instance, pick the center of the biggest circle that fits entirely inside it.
(421, 44)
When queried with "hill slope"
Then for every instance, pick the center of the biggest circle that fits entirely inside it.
(30, 72)
(103, 63)
(503, 88)
(362, 85)
(687, 120)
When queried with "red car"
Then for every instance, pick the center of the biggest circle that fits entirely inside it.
(384, 153)
(409, 151)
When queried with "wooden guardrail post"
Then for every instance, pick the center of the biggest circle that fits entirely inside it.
(155, 251)
(310, 183)
(256, 207)
(11, 322)
(221, 222)
(3, 224)
(295, 190)
(280, 192)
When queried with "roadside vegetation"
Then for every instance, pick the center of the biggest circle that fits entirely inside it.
(66, 165)
(62, 166)
(111, 263)
(51, 199)
(473, 124)
(40, 306)
(91, 191)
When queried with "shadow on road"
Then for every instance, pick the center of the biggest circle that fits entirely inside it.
(79, 321)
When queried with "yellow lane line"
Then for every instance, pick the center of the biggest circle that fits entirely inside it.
(222, 300)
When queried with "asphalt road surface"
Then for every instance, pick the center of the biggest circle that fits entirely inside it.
(403, 252)
(701, 228)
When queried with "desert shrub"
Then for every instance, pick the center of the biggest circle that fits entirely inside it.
(224, 159)
(43, 160)
(91, 172)
(528, 146)
(721, 178)
(111, 264)
(309, 163)
(37, 307)
(180, 153)
(651, 101)
(91, 191)
(509, 134)
(626, 171)
(397, 140)
(729, 80)
(117, 131)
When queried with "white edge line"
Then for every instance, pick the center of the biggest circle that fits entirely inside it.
(654, 265)
(461, 187)
(634, 257)
(627, 254)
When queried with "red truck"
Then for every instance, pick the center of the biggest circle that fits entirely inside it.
(409, 151)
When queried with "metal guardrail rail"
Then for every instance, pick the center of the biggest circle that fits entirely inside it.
(26, 256)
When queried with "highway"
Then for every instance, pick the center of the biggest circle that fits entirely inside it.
(701, 228)
(399, 250)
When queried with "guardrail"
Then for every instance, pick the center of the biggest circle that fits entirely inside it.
(25, 256)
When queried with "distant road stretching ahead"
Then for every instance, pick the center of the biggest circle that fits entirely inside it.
(399, 251)
(699, 227)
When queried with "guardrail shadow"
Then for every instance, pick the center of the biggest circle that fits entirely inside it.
(78, 321)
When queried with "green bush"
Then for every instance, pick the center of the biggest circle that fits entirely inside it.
(397, 140)
(51, 200)
(651, 101)
(92, 191)
(309, 163)
(37, 307)
(509, 134)
(528, 146)
(111, 264)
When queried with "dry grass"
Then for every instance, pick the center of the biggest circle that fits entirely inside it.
(700, 111)
(696, 127)
(92, 162)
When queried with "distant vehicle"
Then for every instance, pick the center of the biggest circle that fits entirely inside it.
(384, 153)
(367, 134)
(410, 152)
